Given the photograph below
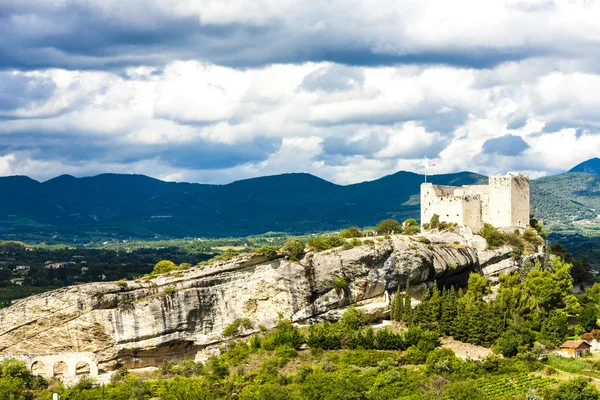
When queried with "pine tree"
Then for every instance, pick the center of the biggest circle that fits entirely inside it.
(478, 323)
(435, 308)
(422, 311)
(407, 316)
(397, 306)
(448, 313)
(461, 322)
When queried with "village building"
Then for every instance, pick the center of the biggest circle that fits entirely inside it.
(17, 281)
(22, 269)
(575, 348)
(503, 203)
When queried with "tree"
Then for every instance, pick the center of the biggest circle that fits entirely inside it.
(434, 222)
(410, 227)
(448, 312)
(164, 266)
(387, 226)
(575, 389)
(294, 248)
(407, 311)
(397, 306)
(588, 317)
(352, 232)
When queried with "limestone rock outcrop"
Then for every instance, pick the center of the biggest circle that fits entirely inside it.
(173, 316)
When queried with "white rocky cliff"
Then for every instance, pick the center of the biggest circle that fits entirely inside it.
(141, 323)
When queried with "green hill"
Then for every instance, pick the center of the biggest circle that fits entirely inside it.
(124, 206)
(137, 206)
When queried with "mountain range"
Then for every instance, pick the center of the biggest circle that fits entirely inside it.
(137, 206)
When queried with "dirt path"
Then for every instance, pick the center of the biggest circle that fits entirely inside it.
(466, 350)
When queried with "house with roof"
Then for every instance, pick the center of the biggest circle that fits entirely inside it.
(575, 348)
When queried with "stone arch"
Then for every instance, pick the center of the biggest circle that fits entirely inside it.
(82, 368)
(38, 368)
(60, 369)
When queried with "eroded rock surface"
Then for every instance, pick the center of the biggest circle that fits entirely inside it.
(173, 316)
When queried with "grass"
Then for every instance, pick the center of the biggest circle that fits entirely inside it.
(572, 365)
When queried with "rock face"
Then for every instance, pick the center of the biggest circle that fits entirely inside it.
(173, 316)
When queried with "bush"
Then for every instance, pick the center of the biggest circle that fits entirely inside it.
(284, 334)
(492, 236)
(169, 290)
(434, 222)
(387, 226)
(188, 368)
(235, 327)
(575, 389)
(267, 251)
(164, 266)
(294, 248)
(352, 232)
(323, 243)
(340, 284)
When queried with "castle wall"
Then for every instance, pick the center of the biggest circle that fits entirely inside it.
(520, 208)
(451, 205)
(502, 203)
(472, 213)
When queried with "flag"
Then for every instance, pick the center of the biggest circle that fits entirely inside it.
(429, 163)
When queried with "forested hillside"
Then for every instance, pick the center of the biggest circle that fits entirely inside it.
(125, 206)
(136, 206)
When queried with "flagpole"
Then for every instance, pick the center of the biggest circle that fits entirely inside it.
(425, 169)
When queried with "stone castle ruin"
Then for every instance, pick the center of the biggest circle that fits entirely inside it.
(503, 203)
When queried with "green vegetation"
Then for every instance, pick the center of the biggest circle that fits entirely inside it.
(352, 232)
(294, 248)
(236, 326)
(322, 243)
(388, 226)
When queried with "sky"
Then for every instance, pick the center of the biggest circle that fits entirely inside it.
(215, 91)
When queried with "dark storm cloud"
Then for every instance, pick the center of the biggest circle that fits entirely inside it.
(33, 36)
(507, 145)
(17, 90)
(196, 154)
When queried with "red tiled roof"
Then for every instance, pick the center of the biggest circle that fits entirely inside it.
(574, 344)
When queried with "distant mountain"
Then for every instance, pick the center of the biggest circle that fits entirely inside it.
(564, 198)
(591, 166)
(136, 206)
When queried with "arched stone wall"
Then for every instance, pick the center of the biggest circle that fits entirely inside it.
(68, 366)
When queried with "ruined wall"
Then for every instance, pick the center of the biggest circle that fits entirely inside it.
(440, 200)
(502, 203)
(520, 208)
(472, 213)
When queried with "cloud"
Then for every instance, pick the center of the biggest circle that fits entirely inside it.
(20, 90)
(507, 145)
(216, 91)
(108, 34)
(333, 78)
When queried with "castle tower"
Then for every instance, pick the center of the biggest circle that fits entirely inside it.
(509, 200)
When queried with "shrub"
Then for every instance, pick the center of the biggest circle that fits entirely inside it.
(184, 266)
(122, 284)
(352, 232)
(387, 226)
(284, 334)
(188, 368)
(492, 236)
(294, 248)
(233, 329)
(323, 243)
(267, 251)
(169, 290)
(164, 266)
(340, 284)
(434, 222)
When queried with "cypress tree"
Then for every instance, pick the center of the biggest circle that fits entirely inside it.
(422, 311)
(396, 306)
(407, 312)
(435, 308)
(448, 313)
(461, 322)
